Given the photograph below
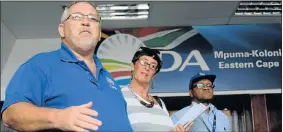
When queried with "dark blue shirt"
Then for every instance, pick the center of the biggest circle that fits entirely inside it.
(58, 79)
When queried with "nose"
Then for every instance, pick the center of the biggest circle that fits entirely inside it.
(206, 88)
(85, 21)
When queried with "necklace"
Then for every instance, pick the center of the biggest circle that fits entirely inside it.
(141, 101)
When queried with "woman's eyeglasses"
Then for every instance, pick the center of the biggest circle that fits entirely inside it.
(152, 66)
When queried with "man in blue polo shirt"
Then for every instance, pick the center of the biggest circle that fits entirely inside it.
(67, 89)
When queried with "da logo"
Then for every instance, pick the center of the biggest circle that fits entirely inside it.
(116, 53)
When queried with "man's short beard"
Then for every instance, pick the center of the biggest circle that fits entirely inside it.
(89, 43)
(203, 100)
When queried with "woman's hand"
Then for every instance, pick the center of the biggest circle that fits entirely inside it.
(181, 128)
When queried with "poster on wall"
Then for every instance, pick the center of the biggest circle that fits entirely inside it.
(244, 57)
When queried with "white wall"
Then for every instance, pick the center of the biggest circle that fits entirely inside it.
(21, 52)
(7, 43)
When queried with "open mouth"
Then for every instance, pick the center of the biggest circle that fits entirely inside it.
(83, 32)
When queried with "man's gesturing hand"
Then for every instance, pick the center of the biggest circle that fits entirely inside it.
(77, 118)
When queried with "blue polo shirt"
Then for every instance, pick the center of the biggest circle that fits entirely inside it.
(58, 79)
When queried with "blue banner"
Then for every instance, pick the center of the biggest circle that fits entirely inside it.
(243, 57)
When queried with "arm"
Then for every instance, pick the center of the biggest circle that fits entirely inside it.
(23, 116)
(185, 128)
(25, 96)
(27, 117)
(227, 123)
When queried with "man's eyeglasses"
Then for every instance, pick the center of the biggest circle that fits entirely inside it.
(200, 85)
(79, 16)
(152, 66)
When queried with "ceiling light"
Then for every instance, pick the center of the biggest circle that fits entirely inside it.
(123, 11)
(259, 8)
(125, 17)
(122, 7)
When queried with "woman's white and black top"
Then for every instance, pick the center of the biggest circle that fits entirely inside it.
(143, 118)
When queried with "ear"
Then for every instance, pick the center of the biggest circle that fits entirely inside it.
(132, 66)
(191, 93)
(99, 35)
(61, 30)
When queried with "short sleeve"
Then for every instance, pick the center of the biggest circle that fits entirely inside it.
(27, 85)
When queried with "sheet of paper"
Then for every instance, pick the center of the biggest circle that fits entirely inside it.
(191, 114)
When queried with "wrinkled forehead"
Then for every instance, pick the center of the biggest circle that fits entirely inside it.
(150, 59)
(83, 7)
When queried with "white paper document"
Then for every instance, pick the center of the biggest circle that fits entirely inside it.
(191, 114)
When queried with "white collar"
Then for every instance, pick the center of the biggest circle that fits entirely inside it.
(211, 106)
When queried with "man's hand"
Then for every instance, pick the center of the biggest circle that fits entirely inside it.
(185, 128)
(77, 118)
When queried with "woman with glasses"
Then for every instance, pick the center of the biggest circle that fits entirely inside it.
(145, 112)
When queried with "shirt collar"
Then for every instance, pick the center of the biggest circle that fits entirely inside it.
(67, 55)
(98, 63)
(211, 106)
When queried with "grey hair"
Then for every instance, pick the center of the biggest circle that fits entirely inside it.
(66, 12)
